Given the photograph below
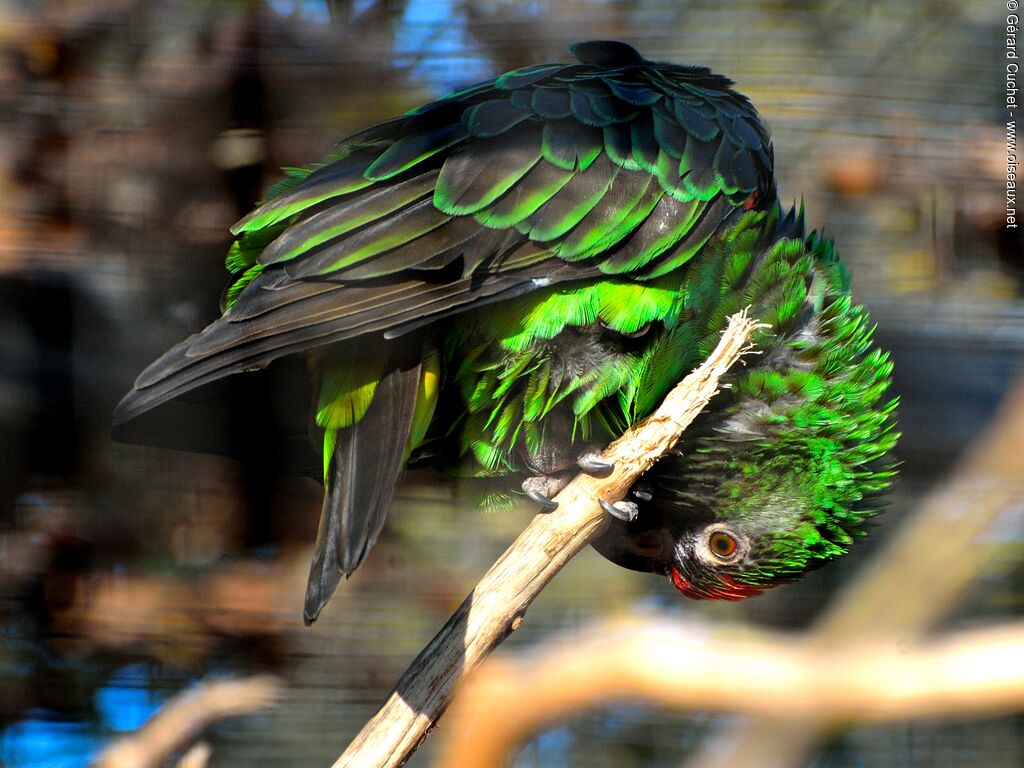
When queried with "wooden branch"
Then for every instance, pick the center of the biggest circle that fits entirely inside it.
(912, 584)
(696, 665)
(197, 756)
(184, 716)
(498, 603)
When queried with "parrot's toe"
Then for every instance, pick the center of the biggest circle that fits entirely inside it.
(592, 463)
(540, 489)
(626, 511)
(641, 492)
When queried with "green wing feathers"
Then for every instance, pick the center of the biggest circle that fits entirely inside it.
(614, 165)
(574, 157)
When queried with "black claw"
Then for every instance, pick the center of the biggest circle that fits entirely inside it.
(626, 511)
(546, 504)
(593, 466)
(642, 495)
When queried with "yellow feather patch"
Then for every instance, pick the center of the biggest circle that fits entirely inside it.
(346, 390)
(426, 399)
(330, 440)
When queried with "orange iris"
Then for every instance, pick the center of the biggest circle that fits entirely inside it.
(722, 544)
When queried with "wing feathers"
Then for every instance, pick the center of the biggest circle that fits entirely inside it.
(573, 201)
(309, 315)
(520, 153)
(474, 179)
(539, 185)
(413, 149)
(398, 229)
(663, 228)
(347, 215)
(614, 164)
(363, 469)
(330, 181)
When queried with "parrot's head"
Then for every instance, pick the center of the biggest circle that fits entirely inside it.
(759, 500)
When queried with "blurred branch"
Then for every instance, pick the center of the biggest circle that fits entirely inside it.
(197, 756)
(184, 717)
(707, 667)
(912, 584)
(498, 603)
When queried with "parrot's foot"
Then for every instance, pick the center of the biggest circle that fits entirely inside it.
(540, 488)
(590, 461)
(626, 511)
(550, 478)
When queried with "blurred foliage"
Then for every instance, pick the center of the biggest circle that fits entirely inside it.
(134, 132)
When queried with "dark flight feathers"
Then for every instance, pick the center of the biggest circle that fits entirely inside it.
(357, 500)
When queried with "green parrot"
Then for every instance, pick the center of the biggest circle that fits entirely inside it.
(501, 281)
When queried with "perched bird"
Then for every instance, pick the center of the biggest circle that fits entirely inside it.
(502, 280)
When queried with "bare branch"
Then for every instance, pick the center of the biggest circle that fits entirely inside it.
(184, 717)
(681, 665)
(498, 603)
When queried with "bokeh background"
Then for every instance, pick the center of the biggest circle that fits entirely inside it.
(133, 133)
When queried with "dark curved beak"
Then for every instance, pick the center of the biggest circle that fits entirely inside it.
(636, 546)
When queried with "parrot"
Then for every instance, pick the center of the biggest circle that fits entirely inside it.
(503, 280)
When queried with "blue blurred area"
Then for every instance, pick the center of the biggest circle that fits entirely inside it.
(433, 43)
(314, 11)
(126, 701)
(44, 741)
(48, 739)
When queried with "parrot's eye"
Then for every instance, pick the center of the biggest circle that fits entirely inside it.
(723, 546)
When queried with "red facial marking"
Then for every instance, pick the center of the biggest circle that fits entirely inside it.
(751, 201)
(682, 584)
(727, 588)
(737, 591)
